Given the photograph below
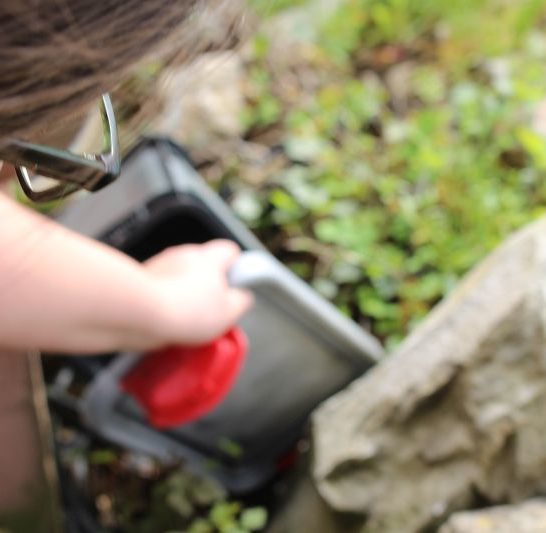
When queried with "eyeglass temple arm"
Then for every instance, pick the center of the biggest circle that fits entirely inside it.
(85, 171)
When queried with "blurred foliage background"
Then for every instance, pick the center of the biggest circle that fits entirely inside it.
(401, 141)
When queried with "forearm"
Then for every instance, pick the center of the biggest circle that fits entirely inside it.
(62, 292)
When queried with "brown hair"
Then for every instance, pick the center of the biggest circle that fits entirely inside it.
(58, 55)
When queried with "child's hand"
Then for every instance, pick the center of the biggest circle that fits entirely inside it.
(192, 281)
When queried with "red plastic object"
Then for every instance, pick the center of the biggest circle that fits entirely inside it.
(179, 384)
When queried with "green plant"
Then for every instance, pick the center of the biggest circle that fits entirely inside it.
(391, 190)
(185, 502)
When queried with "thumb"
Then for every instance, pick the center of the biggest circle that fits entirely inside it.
(222, 252)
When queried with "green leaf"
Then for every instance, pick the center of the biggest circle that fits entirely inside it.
(200, 525)
(234, 528)
(223, 514)
(325, 287)
(283, 201)
(254, 518)
(356, 232)
(304, 149)
(372, 306)
(230, 447)
(534, 144)
(247, 205)
(343, 272)
(180, 503)
(103, 457)
(429, 84)
(206, 491)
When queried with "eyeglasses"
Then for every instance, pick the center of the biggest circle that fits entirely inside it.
(71, 171)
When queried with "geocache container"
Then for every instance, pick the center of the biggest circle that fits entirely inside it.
(300, 349)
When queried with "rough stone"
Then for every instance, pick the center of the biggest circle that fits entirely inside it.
(203, 102)
(528, 517)
(303, 509)
(457, 415)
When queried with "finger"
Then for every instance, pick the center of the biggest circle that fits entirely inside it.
(177, 254)
(239, 301)
(183, 250)
(222, 244)
(222, 252)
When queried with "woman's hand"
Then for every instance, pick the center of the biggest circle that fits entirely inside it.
(198, 303)
(62, 292)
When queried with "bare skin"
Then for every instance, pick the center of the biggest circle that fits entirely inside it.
(63, 292)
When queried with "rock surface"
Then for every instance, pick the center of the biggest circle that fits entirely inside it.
(203, 101)
(457, 415)
(528, 517)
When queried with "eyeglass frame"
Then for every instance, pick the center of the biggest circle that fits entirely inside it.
(76, 172)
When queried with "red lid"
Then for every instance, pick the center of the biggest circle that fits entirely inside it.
(179, 384)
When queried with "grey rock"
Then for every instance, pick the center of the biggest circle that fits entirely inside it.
(527, 517)
(203, 101)
(456, 413)
(304, 510)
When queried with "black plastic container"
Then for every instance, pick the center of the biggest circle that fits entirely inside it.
(302, 350)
